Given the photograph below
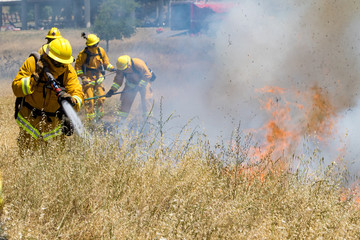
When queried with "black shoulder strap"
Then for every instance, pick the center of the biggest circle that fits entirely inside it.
(100, 53)
(60, 80)
(90, 54)
(133, 68)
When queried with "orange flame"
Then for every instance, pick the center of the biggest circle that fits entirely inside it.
(351, 194)
(279, 134)
(282, 133)
(320, 116)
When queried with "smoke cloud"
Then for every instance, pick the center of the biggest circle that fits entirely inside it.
(290, 45)
(298, 46)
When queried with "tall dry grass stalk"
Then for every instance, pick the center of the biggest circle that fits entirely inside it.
(106, 187)
(162, 186)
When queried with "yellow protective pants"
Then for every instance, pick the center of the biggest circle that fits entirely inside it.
(94, 107)
(37, 131)
(128, 96)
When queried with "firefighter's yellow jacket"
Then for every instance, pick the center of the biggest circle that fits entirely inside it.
(40, 97)
(95, 61)
(91, 63)
(134, 74)
(137, 78)
(36, 96)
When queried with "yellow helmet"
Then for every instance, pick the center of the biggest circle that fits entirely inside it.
(123, 62)
(92, 39)
(53, 33)
(59, 50)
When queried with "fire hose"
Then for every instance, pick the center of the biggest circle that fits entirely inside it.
(52, 83)
(96, 97)
(68, 124)
(108, 74)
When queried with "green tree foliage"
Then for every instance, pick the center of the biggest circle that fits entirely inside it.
(151, 12)
(115, 20)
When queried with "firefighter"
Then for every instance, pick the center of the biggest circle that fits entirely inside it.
(138, 80)
(37, 110)
(90, 67)
(53, 33)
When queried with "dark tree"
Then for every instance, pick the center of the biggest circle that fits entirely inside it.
(115, 20)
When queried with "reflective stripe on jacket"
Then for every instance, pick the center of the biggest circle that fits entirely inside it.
(35, 133)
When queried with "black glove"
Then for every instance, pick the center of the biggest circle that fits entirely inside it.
(85, 80)
(64, 96)
(109, 93)
(153, 76)
(67, 126)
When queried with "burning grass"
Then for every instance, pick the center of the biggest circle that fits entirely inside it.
(165, 186)
(172, 187)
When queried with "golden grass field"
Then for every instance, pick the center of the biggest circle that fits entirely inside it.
(159, 186)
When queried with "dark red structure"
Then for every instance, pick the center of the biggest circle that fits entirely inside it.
(196, 16)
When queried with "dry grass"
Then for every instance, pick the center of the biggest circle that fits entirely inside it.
(160, 186)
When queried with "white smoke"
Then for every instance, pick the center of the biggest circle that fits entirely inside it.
(294, 45)
(251, 46)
